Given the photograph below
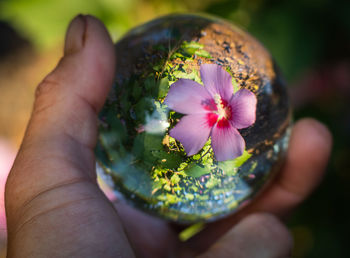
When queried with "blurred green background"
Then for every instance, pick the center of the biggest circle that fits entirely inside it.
(310, 39)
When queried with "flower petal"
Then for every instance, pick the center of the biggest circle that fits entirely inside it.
(243, 105)
(189, 97)
(192, 131)
(217, 80)
(226, 142)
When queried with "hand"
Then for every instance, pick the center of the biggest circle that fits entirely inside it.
(54, 207)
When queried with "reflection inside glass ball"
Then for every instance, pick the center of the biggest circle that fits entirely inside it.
(197, 121)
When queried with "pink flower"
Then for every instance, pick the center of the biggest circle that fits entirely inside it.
(213, 110)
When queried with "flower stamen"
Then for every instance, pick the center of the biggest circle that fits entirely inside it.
(224, 110)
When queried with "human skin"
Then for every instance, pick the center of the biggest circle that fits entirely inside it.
(7, 156)
(55, 208)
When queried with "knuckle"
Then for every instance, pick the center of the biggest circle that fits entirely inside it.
(46, 87)
(46, 93)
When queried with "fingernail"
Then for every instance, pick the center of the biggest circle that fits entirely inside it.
(75, 36)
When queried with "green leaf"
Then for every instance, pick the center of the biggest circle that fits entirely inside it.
(242, 159)
(163, 88)
(180, 74)
(175, 179)
(153, 142)
(159, 172)
(182, 173)
(194, 188)
(177, 188)
(234, 82)
(171, 160)
(203, 53)
(177, 55)
(192, 44)
(190, 196)
(167, 187)
(183, 165)
(138, 146)
(163, 181)
(213, 181)
(197, 171)
(144, 107)
(172, 198)
(235, 85)
(190, 51)
(152, 146)
(157, 185)
(230, 166)
(115, 123)
(183, 75)
(161, 198)
(196, 157)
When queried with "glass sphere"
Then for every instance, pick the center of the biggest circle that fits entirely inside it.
(197, 121)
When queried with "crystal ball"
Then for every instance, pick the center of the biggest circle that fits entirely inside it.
(197, 121)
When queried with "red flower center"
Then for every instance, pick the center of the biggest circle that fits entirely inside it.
(221, 114)
(224, 110)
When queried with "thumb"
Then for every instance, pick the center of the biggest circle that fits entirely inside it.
(52, 183)
(69, 97)
(62, 128)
